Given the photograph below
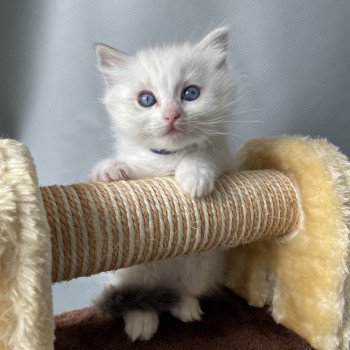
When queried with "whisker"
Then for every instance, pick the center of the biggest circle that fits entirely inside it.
(231, 114)
(222, 121)
(214, 111)
(243, 95)
(216, 133)
(206, 138)
(235, 114)
(208, 132)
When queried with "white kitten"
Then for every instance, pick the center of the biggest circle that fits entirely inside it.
(167, 106)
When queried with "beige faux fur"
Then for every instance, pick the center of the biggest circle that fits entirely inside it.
(26, 321)
(305, 278)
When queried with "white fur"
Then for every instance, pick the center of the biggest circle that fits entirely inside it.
(108, 170)
(141, 324)
(188, 310)
(201, 156)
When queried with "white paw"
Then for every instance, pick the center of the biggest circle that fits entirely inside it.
(108, 170)
(188, 310)
(194, 182)
(141, 325)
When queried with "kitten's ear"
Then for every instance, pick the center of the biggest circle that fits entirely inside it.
(110, 61)
(217, 42)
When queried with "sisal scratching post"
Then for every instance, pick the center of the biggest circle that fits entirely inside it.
(129, 222)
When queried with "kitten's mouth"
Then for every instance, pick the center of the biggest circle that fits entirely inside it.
(173, 130)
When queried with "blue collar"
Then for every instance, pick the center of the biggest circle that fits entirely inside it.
(167, 152)
(163, 152)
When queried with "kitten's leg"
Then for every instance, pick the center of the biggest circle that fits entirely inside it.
(138, 305)
(188, 309)
(200, 275)
(141, 325)
(196, 175)
(108, 170)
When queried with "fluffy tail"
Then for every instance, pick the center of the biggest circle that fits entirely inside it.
(115, 301)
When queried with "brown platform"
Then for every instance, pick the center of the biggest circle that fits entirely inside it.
(229, 323)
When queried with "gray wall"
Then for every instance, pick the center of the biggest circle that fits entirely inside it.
(291, 61)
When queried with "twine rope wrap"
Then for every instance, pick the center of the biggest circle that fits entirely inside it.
(106, 226)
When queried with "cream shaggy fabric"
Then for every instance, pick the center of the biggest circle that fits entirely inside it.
(26, 321)
(305, 278)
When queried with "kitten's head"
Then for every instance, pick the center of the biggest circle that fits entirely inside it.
(168, 97)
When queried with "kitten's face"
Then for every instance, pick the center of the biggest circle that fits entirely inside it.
(168, 97)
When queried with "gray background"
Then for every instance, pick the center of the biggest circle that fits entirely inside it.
(291, 61)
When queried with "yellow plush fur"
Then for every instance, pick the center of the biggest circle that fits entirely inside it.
(303, 278)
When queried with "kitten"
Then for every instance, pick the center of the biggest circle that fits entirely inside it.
(167, 107)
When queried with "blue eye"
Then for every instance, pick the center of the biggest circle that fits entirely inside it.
(146, 99)
(191, 93)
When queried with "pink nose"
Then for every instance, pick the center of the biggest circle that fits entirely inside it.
(171, 114)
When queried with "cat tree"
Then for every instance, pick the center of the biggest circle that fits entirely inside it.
(289, 201)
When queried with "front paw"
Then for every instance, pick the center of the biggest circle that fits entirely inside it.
(108, 170)
(196, 183)
(141, 325)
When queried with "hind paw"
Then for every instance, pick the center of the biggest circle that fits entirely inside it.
(141, 325)
(188, 310)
